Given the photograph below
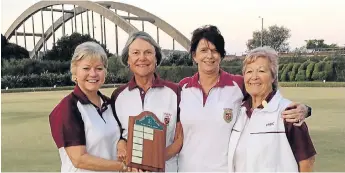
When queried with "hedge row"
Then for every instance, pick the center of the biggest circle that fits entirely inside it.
(35, 73)
(281, 84)
(49, 80)
(37, 89)
(312, 84)
(32, 66)
(311, 71)
(174, 74)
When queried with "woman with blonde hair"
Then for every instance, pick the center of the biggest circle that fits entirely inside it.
(83, 126)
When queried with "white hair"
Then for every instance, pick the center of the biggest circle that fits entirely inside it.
(264, 52)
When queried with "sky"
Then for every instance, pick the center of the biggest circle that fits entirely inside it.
(236, 19)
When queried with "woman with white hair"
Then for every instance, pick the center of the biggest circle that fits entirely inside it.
(261, 140)
(146, 91)
(83, 126)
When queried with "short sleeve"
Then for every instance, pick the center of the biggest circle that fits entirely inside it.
(66, 124)
(300, 141)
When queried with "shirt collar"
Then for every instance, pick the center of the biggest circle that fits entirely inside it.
(157, 82)
(83, 98)
(224, 80)
(270, 103)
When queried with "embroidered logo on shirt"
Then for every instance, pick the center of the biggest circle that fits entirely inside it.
(167, 117)
(270, 124)
(227, 115)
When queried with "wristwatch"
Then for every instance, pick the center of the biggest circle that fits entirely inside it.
(309, 112)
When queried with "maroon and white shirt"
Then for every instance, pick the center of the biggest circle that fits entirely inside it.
(207, 120)
(162, 99)
(76, 121)
(262, 141)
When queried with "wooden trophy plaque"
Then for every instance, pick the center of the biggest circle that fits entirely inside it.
(146, 142)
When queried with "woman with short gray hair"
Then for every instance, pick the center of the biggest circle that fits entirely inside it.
(146, 91)
(83, 126)
(270, 54)
(261, 141)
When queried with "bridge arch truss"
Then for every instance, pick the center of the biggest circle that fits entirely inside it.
(103, 8)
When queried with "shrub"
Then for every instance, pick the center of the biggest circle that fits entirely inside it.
(301, 76)
(309, 71)
(33, 66)
(280, 70)
(285, 73)
(329, 70)
(294, 71)
(318, 73)
(34, 80)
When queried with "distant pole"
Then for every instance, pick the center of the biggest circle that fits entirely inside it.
(262, 28)
(82, 23)
(24, 35)
(33, 34)
(15, 33)
(173, 44)
(93, 26)
(63, 20)
(53, 29)
(104, 32)
(101, 28)
(75, 18)
(43, 36)
(157, 35)
(87, 21)
(142, 25)
(72, 25)
(116, 38)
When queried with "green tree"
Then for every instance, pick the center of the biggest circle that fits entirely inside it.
(65, 46)
(177, 58)
(275, 37)
(12, 51)
(318, 44)
(3, 41)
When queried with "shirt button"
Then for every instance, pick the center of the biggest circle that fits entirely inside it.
(142, 92)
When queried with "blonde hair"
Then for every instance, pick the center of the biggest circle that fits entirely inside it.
(264, 52)
(88, 50)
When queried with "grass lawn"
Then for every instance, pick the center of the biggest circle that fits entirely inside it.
(27, 144)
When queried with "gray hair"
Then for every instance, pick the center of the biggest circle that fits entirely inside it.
(91, 50)
(264, 52)
(145, 36)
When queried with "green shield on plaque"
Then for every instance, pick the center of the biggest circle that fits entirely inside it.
(149, 121)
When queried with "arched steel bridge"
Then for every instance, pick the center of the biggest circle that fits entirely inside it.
(103, 8)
